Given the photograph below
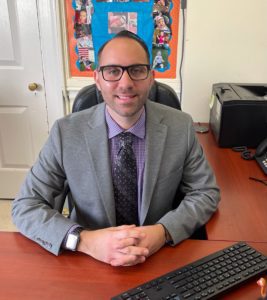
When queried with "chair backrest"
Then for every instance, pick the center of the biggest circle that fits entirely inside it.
(89, 96)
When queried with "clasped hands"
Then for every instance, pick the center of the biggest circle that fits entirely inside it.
(125, 245)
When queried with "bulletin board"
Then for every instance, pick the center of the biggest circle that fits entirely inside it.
(90, 23)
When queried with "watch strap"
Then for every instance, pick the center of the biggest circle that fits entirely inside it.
(74, 230)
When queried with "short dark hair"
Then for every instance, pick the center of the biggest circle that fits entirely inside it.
(129, 35)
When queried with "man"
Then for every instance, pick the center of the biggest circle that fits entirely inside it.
(80, 157)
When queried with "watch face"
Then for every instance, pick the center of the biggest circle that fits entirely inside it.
(72, 241)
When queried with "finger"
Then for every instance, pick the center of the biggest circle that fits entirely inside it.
(130, 233)
(122, 243)
(127, 260)
(133, 250)
(124, 227)
(139, 260)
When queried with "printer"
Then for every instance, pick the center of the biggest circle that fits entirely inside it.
(238, 114)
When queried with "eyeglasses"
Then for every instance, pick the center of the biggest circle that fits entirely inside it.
(114, 73)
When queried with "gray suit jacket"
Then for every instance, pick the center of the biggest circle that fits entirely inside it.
(76, 158)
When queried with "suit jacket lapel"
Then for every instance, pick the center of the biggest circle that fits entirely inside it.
(156, 133)
(98, 149)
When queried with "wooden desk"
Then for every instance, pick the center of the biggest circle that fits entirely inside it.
(242, 213)
(30, 272)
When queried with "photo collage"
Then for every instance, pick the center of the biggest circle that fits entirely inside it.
(118, 21)
(162, 34)
(83, 34)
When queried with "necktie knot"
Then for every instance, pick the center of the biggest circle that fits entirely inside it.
(126, 139)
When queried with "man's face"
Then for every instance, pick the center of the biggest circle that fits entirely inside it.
(124, 98)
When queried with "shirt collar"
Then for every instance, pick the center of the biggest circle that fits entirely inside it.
(138, 129)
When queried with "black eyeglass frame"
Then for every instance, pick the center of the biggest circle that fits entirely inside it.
(123, 68)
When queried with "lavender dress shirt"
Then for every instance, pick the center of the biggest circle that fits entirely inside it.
(138, 130)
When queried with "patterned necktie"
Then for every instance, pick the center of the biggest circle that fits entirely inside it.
(125, 182)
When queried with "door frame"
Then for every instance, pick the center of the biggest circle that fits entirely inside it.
(51, 48)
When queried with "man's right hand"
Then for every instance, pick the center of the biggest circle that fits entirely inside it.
(114, 245)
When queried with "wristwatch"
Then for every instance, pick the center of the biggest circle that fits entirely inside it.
(168, 239)
(73, 239)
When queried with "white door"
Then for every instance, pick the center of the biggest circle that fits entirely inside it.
(23, 113)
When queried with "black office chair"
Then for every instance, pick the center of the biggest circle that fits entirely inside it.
(89, 96)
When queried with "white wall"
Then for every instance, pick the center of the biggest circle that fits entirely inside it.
(226, 41)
